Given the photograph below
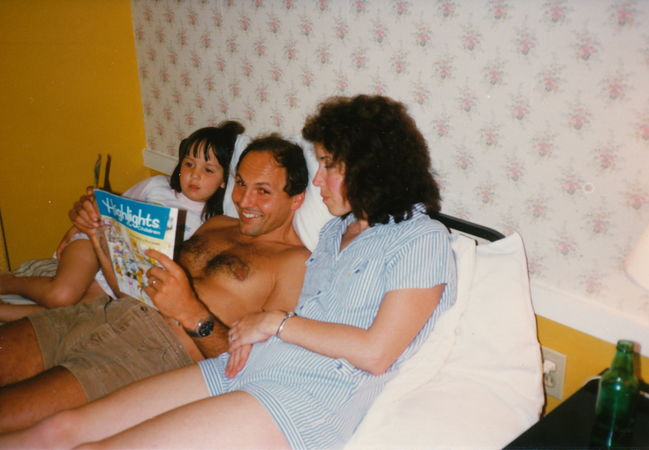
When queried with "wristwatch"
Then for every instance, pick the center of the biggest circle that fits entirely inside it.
(203, 328)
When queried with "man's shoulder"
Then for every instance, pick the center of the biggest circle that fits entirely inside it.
(219, 222)
(290, 253)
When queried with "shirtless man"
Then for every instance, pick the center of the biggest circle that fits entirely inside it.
(57, 359)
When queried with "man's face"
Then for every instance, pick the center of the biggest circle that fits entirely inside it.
(259, 196)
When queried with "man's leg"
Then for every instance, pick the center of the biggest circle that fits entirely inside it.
(20, 355)
(28, 394)
(24, 403)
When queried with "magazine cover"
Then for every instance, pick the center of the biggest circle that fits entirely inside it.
(130, 228)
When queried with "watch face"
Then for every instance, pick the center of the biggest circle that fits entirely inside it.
(205, 328)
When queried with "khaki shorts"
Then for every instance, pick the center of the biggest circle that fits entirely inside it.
(108, 344)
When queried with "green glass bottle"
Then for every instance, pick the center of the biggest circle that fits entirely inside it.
(616, 400)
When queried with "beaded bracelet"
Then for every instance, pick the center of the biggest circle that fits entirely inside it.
(287, 316)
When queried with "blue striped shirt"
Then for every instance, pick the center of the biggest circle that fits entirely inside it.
(319, 401)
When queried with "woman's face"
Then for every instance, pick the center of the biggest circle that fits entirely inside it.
(330, 178)
(200, 178)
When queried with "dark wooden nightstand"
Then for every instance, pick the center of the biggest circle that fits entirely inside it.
(568, 426)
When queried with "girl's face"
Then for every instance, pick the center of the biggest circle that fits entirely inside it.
(330, 178)
(200, 178)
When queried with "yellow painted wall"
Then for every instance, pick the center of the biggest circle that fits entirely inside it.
(586, 356)
(70, 90)
(69, 86)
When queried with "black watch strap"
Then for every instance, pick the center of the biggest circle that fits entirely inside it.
(203, 328)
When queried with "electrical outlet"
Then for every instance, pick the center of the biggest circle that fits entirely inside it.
(554, 372)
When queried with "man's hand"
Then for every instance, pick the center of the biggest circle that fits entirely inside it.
(171, 292)
(84, 214)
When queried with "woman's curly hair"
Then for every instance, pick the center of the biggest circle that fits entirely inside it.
(386, 160)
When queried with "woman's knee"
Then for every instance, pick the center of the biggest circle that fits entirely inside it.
(56, 431)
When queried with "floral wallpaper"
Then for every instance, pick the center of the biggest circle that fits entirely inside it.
(536, 111)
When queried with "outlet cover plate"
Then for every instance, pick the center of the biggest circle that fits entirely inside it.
(554, 380)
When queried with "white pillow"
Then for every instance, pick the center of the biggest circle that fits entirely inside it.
(489, 388)
(239, 146)
(313, 213)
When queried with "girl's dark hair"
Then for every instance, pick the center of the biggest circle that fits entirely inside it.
(386, 160)
(220, 141)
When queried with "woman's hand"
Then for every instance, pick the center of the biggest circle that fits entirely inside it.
(252, 328)
(237, 360)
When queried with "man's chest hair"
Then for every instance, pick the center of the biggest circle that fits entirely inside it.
(212, 253)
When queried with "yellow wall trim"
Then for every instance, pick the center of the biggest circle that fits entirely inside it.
(589, 317)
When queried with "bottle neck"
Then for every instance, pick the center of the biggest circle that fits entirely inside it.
(623, 359)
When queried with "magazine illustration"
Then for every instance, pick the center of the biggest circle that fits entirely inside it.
(132, 227)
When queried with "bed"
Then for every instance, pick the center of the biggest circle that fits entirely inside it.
(477, 380)
(476, 383)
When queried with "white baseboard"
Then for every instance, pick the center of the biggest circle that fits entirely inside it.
(159, 161)
(590, 317)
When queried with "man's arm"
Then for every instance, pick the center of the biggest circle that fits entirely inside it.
(289, 277)
(172, 293)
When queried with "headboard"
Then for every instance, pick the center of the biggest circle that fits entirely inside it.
(471, 228)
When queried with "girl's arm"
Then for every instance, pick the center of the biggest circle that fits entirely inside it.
(102, 252)
(401, 315)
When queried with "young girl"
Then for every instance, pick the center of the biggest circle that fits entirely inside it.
(197, 185)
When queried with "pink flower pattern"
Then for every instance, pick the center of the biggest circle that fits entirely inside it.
(592, 283)
(586, 46)
(599, 222)
(379, 32)
(514, 169)
(494, 73)
(623, 13)
(556, 11)
(471, 38)
(520, 107)
(490, 135)
(578, 117)
(615, 86)
(444, 68)
(506, 95)
(499, 9)
(565, 245)
(467, 100)
(446, 8)
(570, 182)
(606, 156)
(423, 35)
(550, 79)
(442, 126)
(525, 41)
(537, 207)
